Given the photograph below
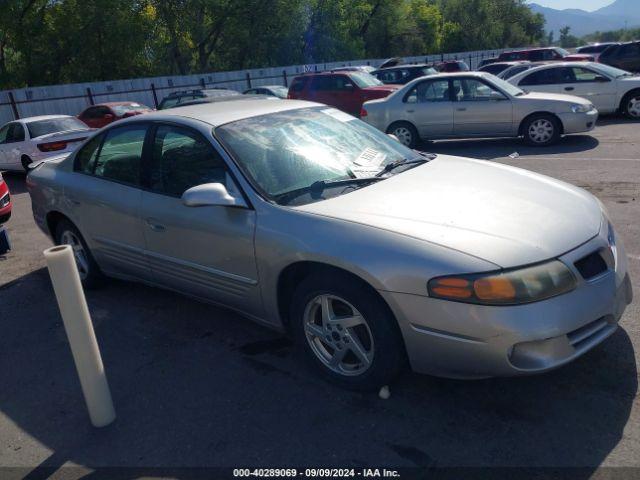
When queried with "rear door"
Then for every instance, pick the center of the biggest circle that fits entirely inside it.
(207, 252)
(429, 107)
(106, 196)
(320, 89)
(480, 109)
(14, 145)
(584, 83)
(545, 80)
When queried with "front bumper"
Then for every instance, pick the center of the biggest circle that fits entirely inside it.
(461, 340)
(579, 122)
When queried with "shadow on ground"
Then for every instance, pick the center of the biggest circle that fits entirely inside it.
(502, 147)
(196, 385)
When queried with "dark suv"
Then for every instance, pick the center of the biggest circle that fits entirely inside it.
(346, 91)
(175, 99)
(403, 74)
(625, 56)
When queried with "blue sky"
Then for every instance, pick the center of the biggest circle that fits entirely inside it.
(589, 5)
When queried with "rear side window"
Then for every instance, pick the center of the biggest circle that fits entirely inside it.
(298, 84)
(322, 83)
(541, 77)
(121, 153)
(183, 159)
(427, 92)
(85, 160)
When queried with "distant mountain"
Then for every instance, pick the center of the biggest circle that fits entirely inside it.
(611, 17)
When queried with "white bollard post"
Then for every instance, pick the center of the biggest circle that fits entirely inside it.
(82, 339)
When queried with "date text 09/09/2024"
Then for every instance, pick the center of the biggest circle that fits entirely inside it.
(316, 472)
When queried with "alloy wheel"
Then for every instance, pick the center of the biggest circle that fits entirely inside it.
(338, 335)
(404, 135)
(541, 131)
(633, 107)
(70, 238)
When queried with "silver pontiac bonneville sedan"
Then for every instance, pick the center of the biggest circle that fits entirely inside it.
(477, 104)
(370, 254)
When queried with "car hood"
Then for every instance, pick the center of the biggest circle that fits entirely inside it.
(556, 97)
(501, 214)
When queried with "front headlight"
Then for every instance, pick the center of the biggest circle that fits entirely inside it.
(512, 287)
(581, 108)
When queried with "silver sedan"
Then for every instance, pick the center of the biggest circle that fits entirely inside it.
(477, 104)
(369, 254)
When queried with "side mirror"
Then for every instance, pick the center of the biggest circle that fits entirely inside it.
(601, 79)
(348, 86)
(211, 195)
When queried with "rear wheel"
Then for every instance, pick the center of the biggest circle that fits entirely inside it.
(346, 331)
(630, 106)
(541, 130)
(68, 234)
(26, 161)
(405, 133)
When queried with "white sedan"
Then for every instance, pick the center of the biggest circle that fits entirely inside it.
(33, 139)
(610, 89)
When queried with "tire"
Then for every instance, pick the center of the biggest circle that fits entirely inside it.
(630, 105)
(363, 337)
(68, 234)
(26, 161)
(406, 133)
(541, 130)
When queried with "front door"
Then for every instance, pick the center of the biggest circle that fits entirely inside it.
(480, 109)
(105, 200)
(583, 82)
(207, 252)
(428, 106)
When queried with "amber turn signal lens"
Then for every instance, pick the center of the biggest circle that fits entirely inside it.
(494, 288)
(452, 287)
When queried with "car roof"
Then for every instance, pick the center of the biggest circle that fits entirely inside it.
(42, 117)
(219, 113)
(114, 104)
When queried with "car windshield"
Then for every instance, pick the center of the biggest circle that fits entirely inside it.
(364, 79)
(611, 71)
(507, 87)
(286, 151)
(54, 125)
(133, 107)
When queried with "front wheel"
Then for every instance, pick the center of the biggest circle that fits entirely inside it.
(346, 331)
(405, 133)
(541, 130)
(631, 105)
(68, 234)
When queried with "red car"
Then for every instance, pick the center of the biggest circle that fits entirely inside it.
(544, 55)
(346, 91)
(5, 201)
(97, 116)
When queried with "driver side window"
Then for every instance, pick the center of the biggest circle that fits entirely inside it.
(472, 90)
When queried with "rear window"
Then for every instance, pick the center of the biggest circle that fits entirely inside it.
(55, 125)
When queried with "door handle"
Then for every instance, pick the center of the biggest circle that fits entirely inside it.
(156, 227)
(569, 89)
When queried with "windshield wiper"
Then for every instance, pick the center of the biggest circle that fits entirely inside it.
(425, 157)
(318, 187)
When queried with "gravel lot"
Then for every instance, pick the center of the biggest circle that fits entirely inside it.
(196, 385)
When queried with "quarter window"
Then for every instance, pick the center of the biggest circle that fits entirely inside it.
(121, 154)
(183, 159)
(427, 92)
